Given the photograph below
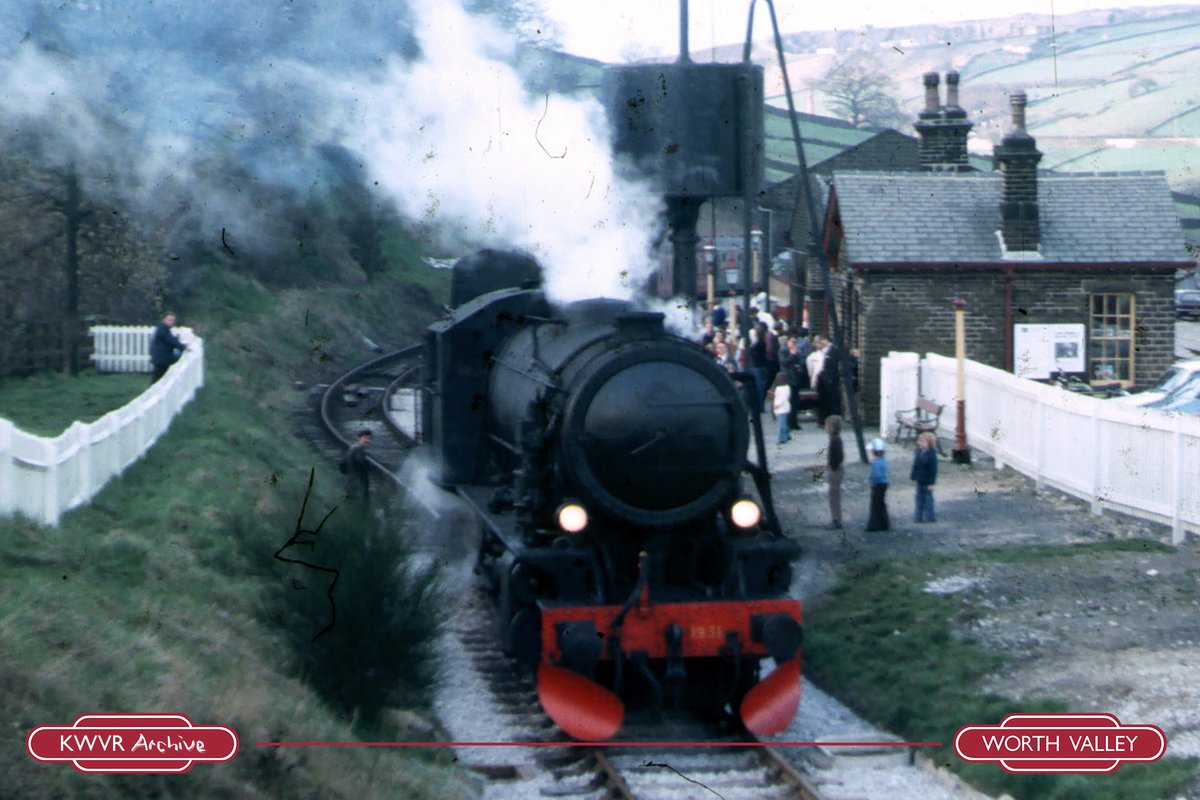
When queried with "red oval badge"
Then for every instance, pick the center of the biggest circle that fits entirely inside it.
(146, 743)
(1060, 743)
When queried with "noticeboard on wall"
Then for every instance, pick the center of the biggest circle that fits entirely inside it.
(1039, 350)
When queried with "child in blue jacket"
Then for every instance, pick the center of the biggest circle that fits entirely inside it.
(879, 479)
(924, 472)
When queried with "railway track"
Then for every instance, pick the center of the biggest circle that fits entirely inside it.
(362, 397)
(487, 698)
(380, 395)
(760, 772)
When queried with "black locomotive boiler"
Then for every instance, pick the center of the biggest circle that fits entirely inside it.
(604, 459)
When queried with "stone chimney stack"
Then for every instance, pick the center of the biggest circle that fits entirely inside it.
(952, 92)
(931, 96)
(943, 129)
(1017, 158)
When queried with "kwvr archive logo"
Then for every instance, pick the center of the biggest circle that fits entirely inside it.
(146, 743)
(1060, 743)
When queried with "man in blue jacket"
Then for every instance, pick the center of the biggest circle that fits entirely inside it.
(165, 347)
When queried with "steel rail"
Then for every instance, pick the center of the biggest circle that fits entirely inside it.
(805, 790)
(612, 776)
(802, 788)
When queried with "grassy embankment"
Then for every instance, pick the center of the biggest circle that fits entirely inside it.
(163, 594)
(46, 403)
(903, 659)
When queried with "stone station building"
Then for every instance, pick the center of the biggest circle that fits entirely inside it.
(1021, 248)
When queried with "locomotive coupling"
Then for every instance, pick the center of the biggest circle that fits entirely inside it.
(581, 645)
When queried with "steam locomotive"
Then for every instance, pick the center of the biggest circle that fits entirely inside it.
(603, 459)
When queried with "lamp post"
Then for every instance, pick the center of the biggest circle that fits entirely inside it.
(756, 239)
(768, 216)
(962, 451)
(710, 266)
(733, 277)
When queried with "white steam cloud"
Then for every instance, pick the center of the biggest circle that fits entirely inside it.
(458, 143)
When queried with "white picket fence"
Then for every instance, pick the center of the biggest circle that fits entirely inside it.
(1140, 461)
(43, 477)
(122, 348)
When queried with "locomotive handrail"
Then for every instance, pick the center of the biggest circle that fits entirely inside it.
(340, 384)
(388, 422)
(759, 471)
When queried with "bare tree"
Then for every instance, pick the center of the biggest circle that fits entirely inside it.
(861, 92)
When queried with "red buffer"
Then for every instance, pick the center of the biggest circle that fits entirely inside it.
(588, 711)
(581, 707)
(769, 707)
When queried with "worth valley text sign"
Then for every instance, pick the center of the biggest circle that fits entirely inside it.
(1060, 743)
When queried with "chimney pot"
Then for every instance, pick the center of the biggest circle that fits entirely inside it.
(931, 91)
(951, 89)
(1017, 101)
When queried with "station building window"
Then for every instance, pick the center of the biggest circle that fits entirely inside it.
(1111, 337)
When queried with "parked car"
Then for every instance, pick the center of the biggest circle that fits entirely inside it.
(1192, 407)
(1187, 303)
(1186, 394)
(1177, 375)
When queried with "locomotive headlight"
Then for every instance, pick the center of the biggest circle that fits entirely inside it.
(572, 517)
(745, 513)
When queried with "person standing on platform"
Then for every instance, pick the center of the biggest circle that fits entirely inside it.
(781, 404)
(924, 473)
(773, 342)
(757, 362)
(791, 366)
(722, 357)
(835, 457)
(828, 385)
(720, 317)
(815, 361)
(803, 350)
(878, 479)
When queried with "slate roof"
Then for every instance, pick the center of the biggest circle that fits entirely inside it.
(899, 217)
(822, 137)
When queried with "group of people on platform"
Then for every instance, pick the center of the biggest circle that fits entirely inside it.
(789, 365)
(923, 474)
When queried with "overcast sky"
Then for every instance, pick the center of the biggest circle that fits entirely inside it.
(607, 29)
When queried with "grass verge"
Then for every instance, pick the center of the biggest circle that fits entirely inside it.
(45, 404)
(898, 656)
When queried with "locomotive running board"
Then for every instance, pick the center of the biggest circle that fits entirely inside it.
(771, 705)
(581, 707)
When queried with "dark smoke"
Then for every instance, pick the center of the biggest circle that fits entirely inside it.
(195, 111)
